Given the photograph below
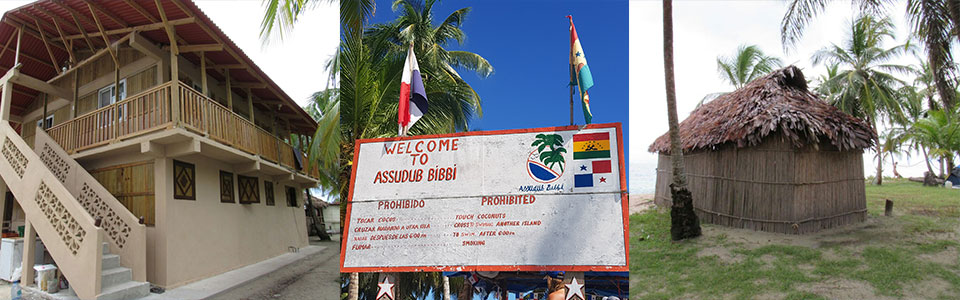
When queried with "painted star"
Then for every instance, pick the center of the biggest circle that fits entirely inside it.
(574, 288)
(386, 288)
(578, 53)
(583, 168)
(603, 179)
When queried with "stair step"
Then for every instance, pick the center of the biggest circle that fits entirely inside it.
(110, 261)
(126, 290)
(106, 248)
(115, 276)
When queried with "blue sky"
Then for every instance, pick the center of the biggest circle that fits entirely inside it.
(528, 44)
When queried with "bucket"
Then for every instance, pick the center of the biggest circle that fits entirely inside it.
(47, 279)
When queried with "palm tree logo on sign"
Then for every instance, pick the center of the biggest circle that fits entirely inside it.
(545, 163)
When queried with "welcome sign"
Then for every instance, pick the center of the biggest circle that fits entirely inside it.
(546, 199)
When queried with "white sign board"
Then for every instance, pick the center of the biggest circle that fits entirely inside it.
(515, 200)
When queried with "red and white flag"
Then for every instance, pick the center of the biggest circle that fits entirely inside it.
(413, 97)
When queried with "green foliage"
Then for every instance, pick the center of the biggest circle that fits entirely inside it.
(555, 154)
(862, 86)
(747, 64)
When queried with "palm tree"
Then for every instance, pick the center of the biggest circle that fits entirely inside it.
(684, 223)
(900, 134)
(865, 88)
(823, 89)
(447, 91)
(746, 65)
(932, 21)
(940, 131)
(368, 66)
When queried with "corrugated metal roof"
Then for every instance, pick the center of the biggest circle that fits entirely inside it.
(36, 62)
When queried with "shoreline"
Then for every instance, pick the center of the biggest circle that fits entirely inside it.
(641, 202)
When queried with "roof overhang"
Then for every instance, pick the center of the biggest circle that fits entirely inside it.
(53, 33)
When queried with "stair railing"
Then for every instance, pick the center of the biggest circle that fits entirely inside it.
(68, 231)
(124, 233)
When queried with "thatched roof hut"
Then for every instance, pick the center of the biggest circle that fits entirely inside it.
(771, 156)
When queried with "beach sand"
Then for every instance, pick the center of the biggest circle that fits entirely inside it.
(641, 202)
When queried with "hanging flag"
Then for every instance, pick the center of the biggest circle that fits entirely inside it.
(413, 97)
(579, 72)
(591, 159)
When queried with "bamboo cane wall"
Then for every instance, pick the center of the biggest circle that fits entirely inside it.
(772, 187)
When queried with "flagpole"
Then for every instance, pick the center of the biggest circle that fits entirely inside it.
(570, 69)
(571, 99)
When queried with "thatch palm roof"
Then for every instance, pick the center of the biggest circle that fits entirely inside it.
(776, 102)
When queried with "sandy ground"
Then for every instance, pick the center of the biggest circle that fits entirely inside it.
(317, 277)
(640, 202)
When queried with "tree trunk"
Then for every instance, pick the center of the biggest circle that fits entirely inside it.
(466, 291)
(353, 287)
(879, 162)
(926, 159)
(684, 223)
(446, 287)
(941, 168)
(317, 223)
(940, 74)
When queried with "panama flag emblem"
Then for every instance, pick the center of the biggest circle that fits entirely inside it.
(591, 159)
(413, 97)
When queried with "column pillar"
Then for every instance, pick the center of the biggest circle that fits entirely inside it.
(29, 246)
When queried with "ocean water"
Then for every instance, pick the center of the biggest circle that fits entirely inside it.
(643, 177)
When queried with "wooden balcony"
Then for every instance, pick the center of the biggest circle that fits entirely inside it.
(151, 111)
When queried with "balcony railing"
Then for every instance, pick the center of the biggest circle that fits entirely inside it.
(150, 111)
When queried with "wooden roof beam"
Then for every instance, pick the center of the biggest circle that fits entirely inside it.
(55, 17)
(96, 6)
(25, 55)
(36, 21)
(247, 85)
(227, 66)
(30, 29)
(74, 13)
(143, 45)
(46, 45)
(115, 46)
(142, 11)
(106, 40)
(6, 45)
(73, 58)
(237, 57)
(83, 32)
(199, 48)
(171, 35)
(39, 85)
(141, 28)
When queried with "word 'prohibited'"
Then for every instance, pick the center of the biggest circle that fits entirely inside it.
(546, 199)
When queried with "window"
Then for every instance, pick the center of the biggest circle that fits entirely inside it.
(226, 187)
(291, 197)
(249, 189)
(268, 190)
(45, 122)
(184, 181)
(106, 95)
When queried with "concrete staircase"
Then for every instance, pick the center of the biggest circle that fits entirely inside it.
(117, 282)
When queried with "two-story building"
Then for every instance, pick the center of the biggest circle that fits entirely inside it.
(143, 146)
